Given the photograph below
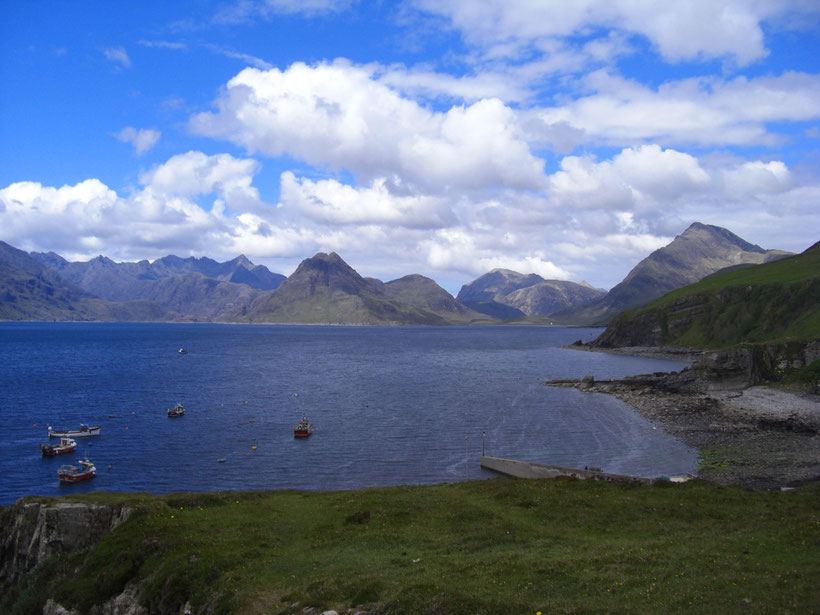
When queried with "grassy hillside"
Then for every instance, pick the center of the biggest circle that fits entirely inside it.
(496, 547)
(774, 302)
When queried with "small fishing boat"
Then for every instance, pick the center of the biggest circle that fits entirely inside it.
(74, 474)
(182, 351)
(177, 410)
(303, 428)
(83, 432)
(66, 445)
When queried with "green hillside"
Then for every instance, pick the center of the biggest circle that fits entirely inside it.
(486, 547)
(775, 302)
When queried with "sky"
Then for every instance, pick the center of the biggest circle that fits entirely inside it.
(439, 137)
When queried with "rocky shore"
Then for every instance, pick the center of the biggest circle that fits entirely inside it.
(757, 436)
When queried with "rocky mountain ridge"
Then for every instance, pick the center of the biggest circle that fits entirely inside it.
(699, 251)
(324, 289)
(507, 294)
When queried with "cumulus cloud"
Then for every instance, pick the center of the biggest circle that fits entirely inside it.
(118, 55)
(338, 116)
(693, 30)
(142, 139)
(162, 215)
(699, 110)
(330, 201)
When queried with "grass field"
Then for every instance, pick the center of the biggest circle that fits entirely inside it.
(494, 546)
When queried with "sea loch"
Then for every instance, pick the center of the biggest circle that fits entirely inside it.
(390, 405)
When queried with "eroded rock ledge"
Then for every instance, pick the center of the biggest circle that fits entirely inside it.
(33, 531)
(754, 436)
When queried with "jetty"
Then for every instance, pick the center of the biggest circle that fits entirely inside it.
(525, 469)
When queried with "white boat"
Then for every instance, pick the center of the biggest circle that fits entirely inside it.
(83, 432)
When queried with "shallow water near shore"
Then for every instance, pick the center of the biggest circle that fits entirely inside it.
(390, 405)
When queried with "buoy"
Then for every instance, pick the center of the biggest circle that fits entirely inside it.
(246, 402)
(253, 448)
(126, 427)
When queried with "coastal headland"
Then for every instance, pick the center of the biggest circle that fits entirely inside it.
(763, 437)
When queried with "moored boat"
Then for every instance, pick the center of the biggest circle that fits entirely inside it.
(177, 410)
(83, 432)
(74, 473)
(66, 445)
(303, 428)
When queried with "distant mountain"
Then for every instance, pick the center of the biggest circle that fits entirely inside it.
(774, 302)
(423, 293)
(198, 287)
(506, 294)
(31, 291)
(699, 251)
(326, 290)
(239, 270)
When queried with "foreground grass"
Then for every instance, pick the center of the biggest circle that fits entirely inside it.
(496, 546)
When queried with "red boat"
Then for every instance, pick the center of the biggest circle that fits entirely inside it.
(73, 474)
(66, 445)
(303, 429)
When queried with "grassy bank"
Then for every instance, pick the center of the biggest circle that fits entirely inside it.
(496, 546)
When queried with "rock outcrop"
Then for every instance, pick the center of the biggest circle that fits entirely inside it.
(35, 531)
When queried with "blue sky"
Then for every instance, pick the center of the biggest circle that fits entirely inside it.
(447, 138)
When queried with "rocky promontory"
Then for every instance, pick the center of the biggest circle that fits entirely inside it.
(757, 436)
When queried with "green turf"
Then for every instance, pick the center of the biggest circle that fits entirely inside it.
(496, 546)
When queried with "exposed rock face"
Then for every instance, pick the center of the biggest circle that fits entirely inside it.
(550, 296)
(699, 251)
(30, 290)
(324, 289)
(198, 287)
(33, 532)
(502, 293)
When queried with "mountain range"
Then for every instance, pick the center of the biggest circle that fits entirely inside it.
(325, 289)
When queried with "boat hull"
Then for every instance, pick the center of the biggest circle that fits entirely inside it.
(76, 478)
(74, 433)
(53, 451)
(84, 470)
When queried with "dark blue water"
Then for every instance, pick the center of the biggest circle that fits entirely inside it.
(390, 405)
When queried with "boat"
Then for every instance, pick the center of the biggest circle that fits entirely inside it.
(177, 410)
(303, 428)
(83, 432)
(182, 351)
(66, 445)
(74, 474)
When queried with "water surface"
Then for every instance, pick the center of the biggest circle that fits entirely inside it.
(390, 405)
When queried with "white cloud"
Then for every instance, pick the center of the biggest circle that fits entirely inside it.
(194, 174)
(236, 55)
(118, 55)
(337, 115)
(699, 110)
(142, 139)
(329, 201)
(692, 30)
(176, 46)
(159, 218)
(245, 11)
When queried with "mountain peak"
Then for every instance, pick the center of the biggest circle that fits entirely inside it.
(708, 233)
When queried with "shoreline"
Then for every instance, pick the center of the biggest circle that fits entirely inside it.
(760, 437)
